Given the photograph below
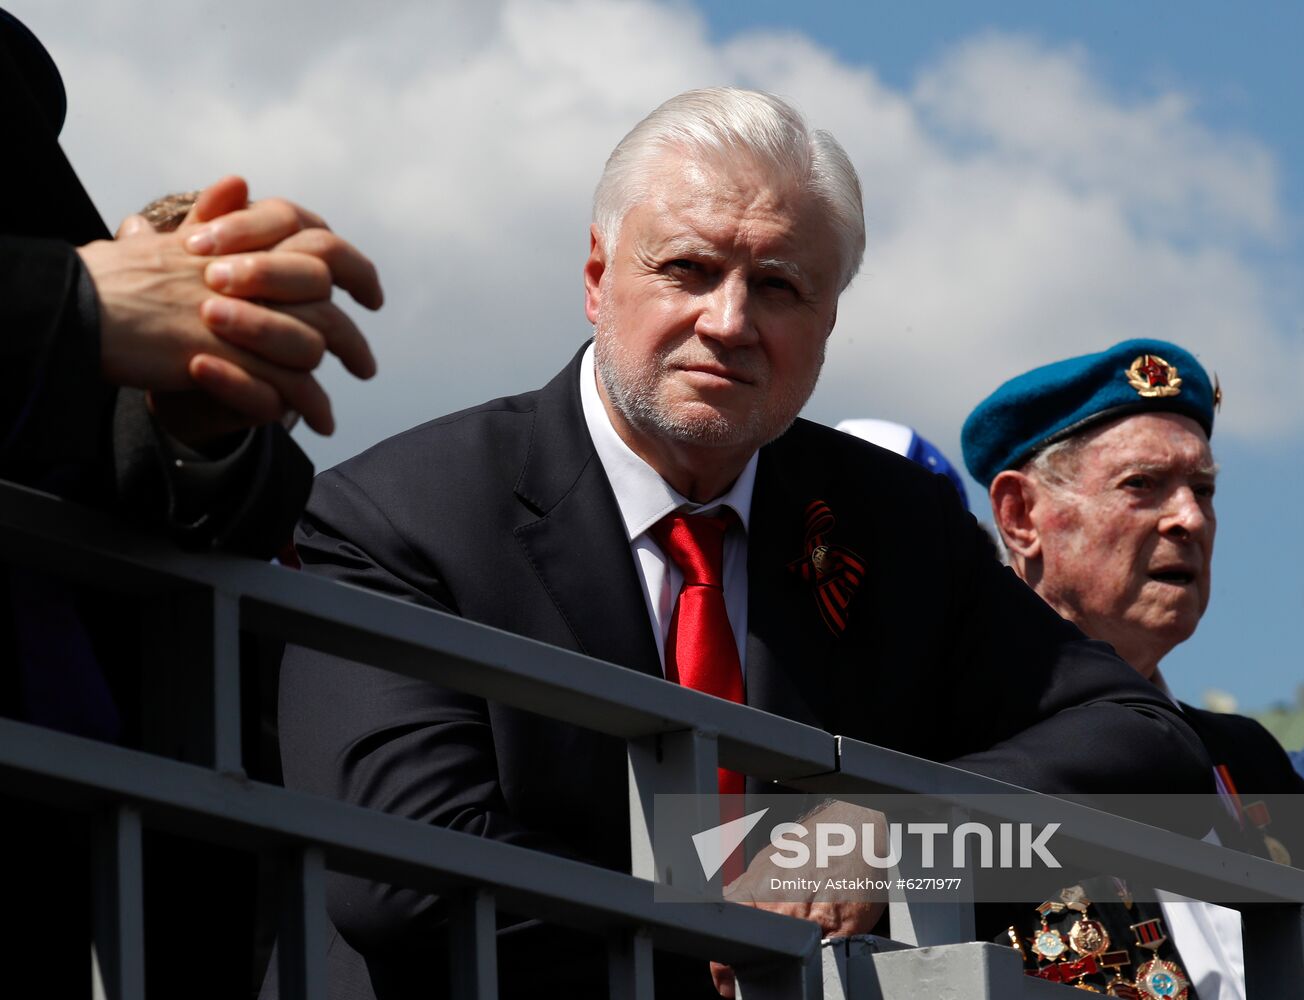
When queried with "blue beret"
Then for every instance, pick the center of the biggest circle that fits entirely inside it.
(1058, 400)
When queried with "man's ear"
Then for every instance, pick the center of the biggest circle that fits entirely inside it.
(594, 268)
(1014, 497)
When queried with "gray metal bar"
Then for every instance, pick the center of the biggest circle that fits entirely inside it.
(200, 802)
(794, 979)
(85, 544)
(473, 943)
(1274, 951)
(629, 967)
(917, 923)
(396, 635)
(302, 930)
(1111, 843)
(191, 666)
(929, 923)
(226, 683)
(119, 928)
(513, 670)
(670, 763)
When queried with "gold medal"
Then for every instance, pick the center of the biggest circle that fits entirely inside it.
(1120, 987)
(1049, 944)
(1276, 850)
(1089, 937)
(1162, 980)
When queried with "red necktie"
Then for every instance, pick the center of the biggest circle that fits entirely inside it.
(701, 652)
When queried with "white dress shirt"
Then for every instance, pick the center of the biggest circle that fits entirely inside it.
(1207, 935)
(644, 498)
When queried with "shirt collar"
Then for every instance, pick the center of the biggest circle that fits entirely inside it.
(1157, 679)
(643, 497)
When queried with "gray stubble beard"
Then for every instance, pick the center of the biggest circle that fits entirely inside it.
(636, 400)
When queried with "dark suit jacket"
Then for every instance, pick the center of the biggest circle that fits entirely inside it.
(1261, 772)
(503, 514)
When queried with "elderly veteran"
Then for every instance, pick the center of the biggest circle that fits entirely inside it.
(659, 505)
(1101, 482)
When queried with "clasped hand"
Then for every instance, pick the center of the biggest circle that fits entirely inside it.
(224, 320)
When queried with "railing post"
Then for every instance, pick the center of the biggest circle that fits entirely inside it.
(226, 751)
(795, 979)
(301, 941)
(473, 944)
(629, 967)
(926, 923)
(1274, 951)
(193, 668)
(672, 763)
(119, 929)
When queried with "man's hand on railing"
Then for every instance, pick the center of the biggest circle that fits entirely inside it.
(822, 890)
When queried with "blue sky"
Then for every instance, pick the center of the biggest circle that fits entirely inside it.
(1241, 67)
(1041, 179)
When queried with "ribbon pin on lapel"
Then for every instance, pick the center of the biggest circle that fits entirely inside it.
(833, 570)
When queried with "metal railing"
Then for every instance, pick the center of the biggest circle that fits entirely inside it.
(676, 738)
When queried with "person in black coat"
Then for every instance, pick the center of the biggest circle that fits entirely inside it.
(124, 385)
(860, 597)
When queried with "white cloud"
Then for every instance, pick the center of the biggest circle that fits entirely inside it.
(1018, 211)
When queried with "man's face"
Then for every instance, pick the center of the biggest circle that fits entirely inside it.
(713, 310)
(1127, 543)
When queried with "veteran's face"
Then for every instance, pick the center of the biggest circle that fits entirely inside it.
(713, 310)
(1127, 545)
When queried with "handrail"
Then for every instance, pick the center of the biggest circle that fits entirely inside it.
(90, 546)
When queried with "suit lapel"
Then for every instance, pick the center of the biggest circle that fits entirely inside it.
(577, 544)
(789, 649)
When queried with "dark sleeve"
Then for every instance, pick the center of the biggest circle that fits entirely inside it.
(66, 431)
(379, 739)
(1044, 707)
(246, 502)
(53, 404)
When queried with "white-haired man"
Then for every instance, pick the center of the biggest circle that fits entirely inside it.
(662, 477)
(1101, 481)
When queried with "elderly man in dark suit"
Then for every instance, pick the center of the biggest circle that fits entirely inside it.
(659, 506)
(1102, 483)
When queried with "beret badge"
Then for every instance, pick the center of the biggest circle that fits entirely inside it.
(1153, 377)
